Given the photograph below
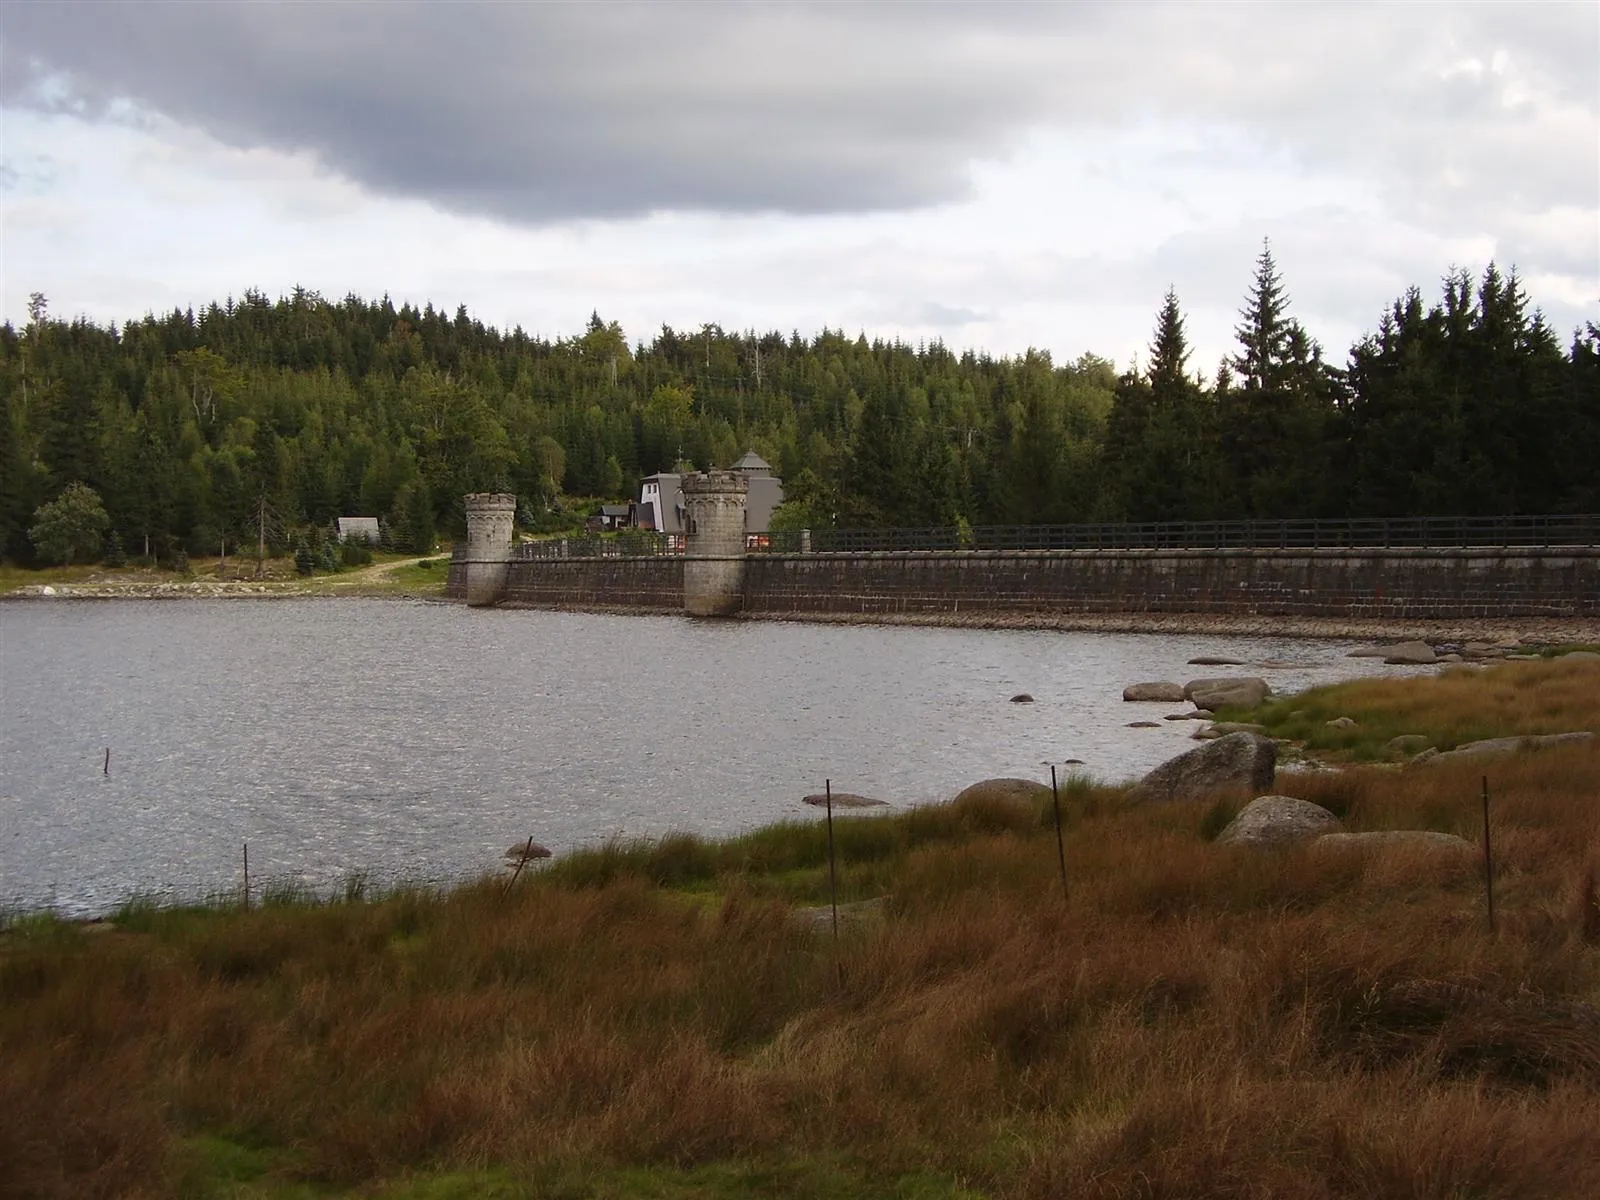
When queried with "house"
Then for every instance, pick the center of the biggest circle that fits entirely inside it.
(363, 529)
(661, 503)
(661, 497)
(766, 492)
(613, 516)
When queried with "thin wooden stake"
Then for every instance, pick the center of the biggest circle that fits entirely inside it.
(106, 769)
(1061, 845)
(833, 883)
(247, 876)
(1488, 856)
(527, 853)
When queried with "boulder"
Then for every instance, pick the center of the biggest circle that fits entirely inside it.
(1386, 839)
(1409, 654)
(1144, 724)
(1342, 723)
(1022, 698)
(1512, 745)
(1408, 743)
(1368, 652)
(1278, 821)
(1003, 803)
(1579, 656)
(1238, 763)
(1021, 791)
(1215, 660)
(1198, 714)
(844, 800)
(1242, 692)
(1167, 692)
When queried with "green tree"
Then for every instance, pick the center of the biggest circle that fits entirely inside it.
(1274, 416)
(70, 526)
(414, 517)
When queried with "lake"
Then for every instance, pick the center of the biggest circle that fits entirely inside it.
(417, 741)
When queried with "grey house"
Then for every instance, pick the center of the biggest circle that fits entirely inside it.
(360, 529)
(661, 497)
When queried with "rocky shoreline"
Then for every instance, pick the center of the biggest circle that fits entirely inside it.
(1544, 631)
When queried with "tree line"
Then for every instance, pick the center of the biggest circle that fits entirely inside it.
(260, 419)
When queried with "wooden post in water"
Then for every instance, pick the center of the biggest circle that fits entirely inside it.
(1488, 856)
(247, 876)
(106, 769)
(1061, 846)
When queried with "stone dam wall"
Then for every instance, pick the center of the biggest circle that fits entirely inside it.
(1386, 583)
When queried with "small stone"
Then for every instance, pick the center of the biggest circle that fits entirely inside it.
(1022, 698)
(1409, 654)
(526, 851)
(1144, 724)
(1342, 723)
(1215, 660)
(843, 800)
(1451, 658)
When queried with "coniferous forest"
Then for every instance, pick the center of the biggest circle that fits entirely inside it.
(202, 429)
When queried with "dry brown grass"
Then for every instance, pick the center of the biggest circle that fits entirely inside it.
(1195, 1021)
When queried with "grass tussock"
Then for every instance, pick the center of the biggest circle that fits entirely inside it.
(653, 1020)
(1464, 704)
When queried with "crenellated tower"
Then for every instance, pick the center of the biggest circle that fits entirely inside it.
(714, 559)
(489, 521)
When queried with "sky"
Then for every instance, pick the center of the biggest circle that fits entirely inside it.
(996, 176)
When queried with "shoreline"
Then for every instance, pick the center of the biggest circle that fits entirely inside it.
(1554, 631)
(1550, 631)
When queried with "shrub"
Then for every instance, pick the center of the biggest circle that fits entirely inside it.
(355, 553)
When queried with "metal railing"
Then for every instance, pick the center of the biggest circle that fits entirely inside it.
(1351, 533)
(1355, 533)
(630, 543)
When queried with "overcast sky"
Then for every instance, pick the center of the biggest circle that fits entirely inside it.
(994, 175)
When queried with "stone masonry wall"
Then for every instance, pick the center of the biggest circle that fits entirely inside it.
(1346, 583)
(1458, 584)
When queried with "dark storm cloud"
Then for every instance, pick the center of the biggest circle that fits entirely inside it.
(539, 112)
(533, 112)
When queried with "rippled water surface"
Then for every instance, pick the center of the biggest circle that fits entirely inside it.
(418, 741)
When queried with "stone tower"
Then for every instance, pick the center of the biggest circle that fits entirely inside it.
(489, 518)
(713, 565)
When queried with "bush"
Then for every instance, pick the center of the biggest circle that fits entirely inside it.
(70, 526)
(114, 555)
(355, 553)
(305, 562)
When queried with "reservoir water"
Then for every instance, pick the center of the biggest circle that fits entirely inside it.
(417, 741)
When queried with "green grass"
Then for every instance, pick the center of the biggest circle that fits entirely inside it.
(1459, 705)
